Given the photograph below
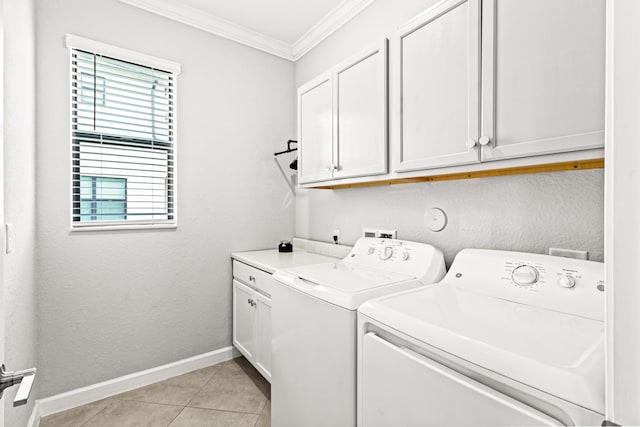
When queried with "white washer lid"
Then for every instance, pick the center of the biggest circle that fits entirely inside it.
(343, 283)
(557, 353)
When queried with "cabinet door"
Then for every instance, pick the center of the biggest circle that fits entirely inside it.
(543, 76)
(360, 94)
(315, 130)
(243, 319)
(263, 336)
(436, 87)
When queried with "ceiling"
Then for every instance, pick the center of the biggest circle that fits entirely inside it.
(286, 28)
(285, 20)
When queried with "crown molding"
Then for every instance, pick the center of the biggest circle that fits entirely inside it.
(221, 27)
(329, 24)
(213, 24)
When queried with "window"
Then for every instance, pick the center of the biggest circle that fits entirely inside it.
(102, 199)
(123, 138)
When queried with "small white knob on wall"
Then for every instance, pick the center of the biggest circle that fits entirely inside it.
(435, 219)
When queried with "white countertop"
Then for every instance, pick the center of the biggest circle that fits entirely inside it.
(271, 260)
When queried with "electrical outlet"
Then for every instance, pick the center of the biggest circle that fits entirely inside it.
(387, 234)
(569, 253)
(336, 236)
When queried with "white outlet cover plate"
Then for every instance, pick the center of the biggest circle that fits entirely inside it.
(435, 219)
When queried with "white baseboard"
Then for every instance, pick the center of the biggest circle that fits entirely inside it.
(34, 419)
(82, 396)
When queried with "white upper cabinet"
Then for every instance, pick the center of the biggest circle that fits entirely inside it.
(543, 76)
(361, 114)
(436, 87)
(315, 130)
(342, 119)
(470, 82)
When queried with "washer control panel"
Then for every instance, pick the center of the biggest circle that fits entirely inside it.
(391, 250)
(411, 258)
(562, 284)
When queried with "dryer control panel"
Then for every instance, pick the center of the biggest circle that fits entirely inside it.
(562, 284)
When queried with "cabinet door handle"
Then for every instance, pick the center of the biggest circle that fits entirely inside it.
(471, 143)
(252, 279)
(484, 140)
(331, 168)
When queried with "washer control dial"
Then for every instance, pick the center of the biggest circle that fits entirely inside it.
(566, 281)
(405, 255)
(386, 253)
(525, 275)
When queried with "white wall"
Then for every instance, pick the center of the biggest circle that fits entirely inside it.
(19, 187)
(525, 212)
(112, 303)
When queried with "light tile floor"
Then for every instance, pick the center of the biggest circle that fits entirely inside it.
(229, 394)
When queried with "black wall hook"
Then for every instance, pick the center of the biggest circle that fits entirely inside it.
(289, 149)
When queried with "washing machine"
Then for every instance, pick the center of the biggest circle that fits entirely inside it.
(314, 322)
(505, 339)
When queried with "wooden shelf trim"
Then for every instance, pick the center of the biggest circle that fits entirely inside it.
(520, 170)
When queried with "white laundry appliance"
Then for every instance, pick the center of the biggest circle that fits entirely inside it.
(314, 320)
(506, 338)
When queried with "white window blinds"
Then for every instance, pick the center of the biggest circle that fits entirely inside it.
(123, 153)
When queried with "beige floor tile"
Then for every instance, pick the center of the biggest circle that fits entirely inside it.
(74, 417)
(128, 413)
(232, 389)
(241, 365)
(192, 417)
(265, 417)
(174, 391)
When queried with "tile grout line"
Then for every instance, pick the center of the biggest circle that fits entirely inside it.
(205, 384)
(176, 417)
(94, 415)
(148, 403)
(225, 410)
(267, 402)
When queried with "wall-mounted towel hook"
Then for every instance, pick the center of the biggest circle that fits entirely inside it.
(289, 149)
(294, 164)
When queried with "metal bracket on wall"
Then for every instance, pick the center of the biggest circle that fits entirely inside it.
(289, 149)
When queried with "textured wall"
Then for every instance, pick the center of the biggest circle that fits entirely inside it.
(112, 303)
(526, 212)
(20, 201)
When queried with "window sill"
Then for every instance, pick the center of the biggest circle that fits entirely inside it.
(121, 227)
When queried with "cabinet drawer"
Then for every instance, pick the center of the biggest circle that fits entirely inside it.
(258, 279)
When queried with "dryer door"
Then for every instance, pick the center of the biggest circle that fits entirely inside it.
(404, 388)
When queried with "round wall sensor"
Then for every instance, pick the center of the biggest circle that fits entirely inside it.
(435, 219)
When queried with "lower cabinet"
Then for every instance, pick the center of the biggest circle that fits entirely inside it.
(252, 325)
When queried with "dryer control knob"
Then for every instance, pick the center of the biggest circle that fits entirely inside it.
(405, 255)
(566, 281)
(524, 275)
(386, 253)
(372, 249)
